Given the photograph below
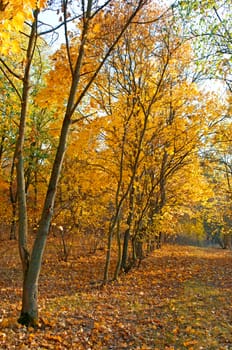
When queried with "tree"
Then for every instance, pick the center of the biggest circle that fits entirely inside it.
(152, 129)
(76, 56)
(216, 162)
(208, 25)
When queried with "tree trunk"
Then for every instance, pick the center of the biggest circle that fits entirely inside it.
(29, 311)
(19, 160)
(13, 200)
(127, 232)
(125, 249)
(13, 225)
(108, 253)
(138, 248)
(32, 265)
(118, 266)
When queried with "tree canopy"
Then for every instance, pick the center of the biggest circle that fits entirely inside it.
(110, 131)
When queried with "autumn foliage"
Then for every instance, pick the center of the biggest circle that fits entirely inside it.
(112, 133)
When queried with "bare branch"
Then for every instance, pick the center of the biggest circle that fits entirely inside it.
(141, 3)
(11, 83)
(66, 37)
(10, 70)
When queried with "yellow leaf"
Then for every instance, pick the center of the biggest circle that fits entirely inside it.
(190, 342)
(97, 28)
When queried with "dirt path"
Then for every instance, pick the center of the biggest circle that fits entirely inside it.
(179, 298)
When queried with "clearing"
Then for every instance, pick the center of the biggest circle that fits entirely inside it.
(179, 298)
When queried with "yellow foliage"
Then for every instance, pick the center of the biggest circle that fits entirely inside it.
(13, 14)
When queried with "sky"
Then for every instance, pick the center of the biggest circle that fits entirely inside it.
(52, 18)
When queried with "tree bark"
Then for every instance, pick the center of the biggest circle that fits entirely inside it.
(118, 266)
(127, 232)
(19, 160)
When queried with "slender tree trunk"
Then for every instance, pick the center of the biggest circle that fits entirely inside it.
(35, 205)
(13, 224)
(13, 200)
(21, 190)
(118, 205)
(127, 232)
(108, 257)
(125, 249)
(108, 253)
(2, 147)
(134, 248)
(118, 266)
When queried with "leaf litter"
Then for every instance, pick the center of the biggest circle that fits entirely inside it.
(179, 298)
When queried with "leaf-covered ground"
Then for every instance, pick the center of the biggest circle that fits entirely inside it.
(179, 298)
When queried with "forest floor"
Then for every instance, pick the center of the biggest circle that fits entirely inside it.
(179, 298)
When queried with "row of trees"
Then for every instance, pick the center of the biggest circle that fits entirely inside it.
(147, 148)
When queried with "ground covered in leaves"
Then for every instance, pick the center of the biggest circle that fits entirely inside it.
(179, 298)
